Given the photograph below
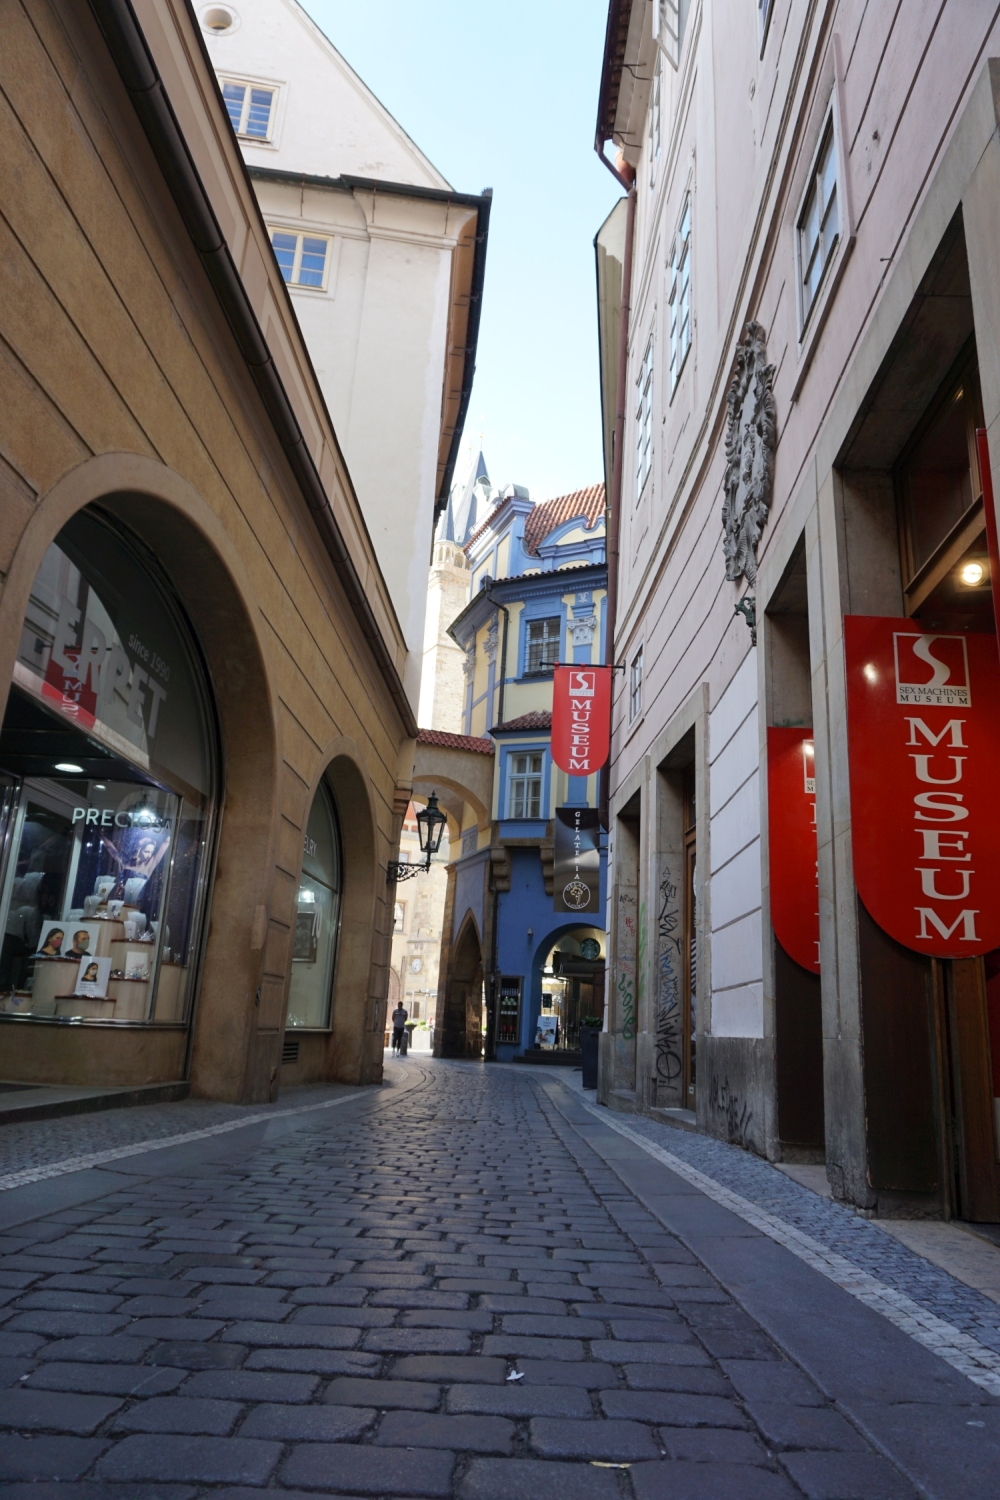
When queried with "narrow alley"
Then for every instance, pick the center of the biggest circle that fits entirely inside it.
(469, 1282)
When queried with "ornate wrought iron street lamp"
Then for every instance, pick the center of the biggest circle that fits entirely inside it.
(430, 826)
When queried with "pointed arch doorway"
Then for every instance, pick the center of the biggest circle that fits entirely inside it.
(463, 1007)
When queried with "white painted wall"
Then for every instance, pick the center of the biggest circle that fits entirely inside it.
(735, 874)
(378, 332)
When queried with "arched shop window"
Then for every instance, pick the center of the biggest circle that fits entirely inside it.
(108, 769)
(317, 918)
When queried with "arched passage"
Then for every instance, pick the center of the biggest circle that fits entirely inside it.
(462, 1029)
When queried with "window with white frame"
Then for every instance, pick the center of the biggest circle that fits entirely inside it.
(644, 420)
(763, 17)
(398, 916)
(680, 294)
(655, 121)
(635, 687)
(818, 229)
(541, 645)
(251, 108)
(525, 800)
(303, 258)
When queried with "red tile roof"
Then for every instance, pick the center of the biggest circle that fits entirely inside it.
(537, 719)
(455, 741)
(543, 519)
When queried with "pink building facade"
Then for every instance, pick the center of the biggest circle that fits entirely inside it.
(812, 340)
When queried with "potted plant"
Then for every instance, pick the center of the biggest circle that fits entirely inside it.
(590, 1031)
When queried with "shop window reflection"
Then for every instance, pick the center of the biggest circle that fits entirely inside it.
(317, 918)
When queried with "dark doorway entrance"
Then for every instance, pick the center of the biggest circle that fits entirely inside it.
(462, 1034)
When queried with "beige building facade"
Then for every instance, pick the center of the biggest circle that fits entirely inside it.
(804, 265)
(207, 742)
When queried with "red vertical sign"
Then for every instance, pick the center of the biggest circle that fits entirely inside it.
(791, 823)
(923, 738)
(581, 718)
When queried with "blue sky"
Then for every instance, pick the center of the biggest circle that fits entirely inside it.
(505, 96)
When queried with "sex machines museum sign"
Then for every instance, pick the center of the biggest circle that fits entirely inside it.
(791, 819)
(581, 718)
(576, 866)
(923, 731)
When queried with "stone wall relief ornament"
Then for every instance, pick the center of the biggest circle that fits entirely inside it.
(490, 641)
(582, 628)
(469, 662)
(749, 477)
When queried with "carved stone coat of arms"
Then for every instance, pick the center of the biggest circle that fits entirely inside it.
(750, 437)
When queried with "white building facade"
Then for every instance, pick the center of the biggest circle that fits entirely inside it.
(804, 266)
(385, 264)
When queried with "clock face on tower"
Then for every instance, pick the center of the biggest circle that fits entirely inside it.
(416, 964)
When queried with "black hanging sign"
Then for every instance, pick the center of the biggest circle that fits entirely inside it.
(576, 872)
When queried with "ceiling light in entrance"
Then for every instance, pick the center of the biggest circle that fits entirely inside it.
(972, 574)
(70, 767)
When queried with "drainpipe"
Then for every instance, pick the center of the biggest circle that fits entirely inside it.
(613, 524)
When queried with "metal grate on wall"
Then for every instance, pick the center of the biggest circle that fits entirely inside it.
(290, 1050)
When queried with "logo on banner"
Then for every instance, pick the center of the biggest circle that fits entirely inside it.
(932, 669)
(581, 718)
(925, 819)
(576, 870)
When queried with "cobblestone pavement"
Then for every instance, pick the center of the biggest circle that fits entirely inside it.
(439, 1289)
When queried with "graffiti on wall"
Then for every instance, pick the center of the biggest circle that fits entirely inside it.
(737, 1115)
(625, 982)
(669, 1040)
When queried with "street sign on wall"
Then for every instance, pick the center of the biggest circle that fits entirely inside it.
(576, 862)
(581, 718)
(923, 734)
(791, 821)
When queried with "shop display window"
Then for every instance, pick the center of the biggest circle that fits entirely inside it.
(317, 919)
(107, 774)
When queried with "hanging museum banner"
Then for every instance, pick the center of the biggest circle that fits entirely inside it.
(791, 822)
(923, 735)
(581, 719)
(576, 868)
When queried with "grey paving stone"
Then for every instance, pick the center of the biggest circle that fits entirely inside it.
(117, 1350)
(475, 1322)
(193, 1356)
(182, 1414)
(158, 1307)
(847, 1476)
(670, 1480)
(49, 1457)
(723, 1344)
(244, 1302)
(56, 1325)
(713, 1445)
(140, 1286)
(314, 1424)
(348, 1317)
(524, 1346)
(108, 1380)
(763, 1380)
(417, 1341)
(11, 1370)
(421, 1298)
(536, 1479)
(250, 1385)
(520, 1303)
(622, 1351)
(314, 1361)
(607, 1311)
(19, 1345)
(520, 1400)
(555, 1437)
(205, 1460)
(675, 1409)
(188, 1329)
(411, 1395)
(444, 1368)
(591, 1374)
(467, 1433)
(54, 1411)
(91, 1490)
(366, 1470)
(292, 1335)
(68, 1300)
(548, 1326)
(650, 1330)
(787, 1426)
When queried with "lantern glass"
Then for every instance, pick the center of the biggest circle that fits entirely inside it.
(430, 826)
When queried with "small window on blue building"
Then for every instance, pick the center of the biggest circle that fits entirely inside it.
(526, 784)
(542, 645)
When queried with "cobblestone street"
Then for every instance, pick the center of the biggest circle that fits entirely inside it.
(468, 1282)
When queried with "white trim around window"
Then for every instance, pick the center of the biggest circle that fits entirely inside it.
(644, 421)
(252, 106)
(680, 294)
(304, 257)
(635, 676)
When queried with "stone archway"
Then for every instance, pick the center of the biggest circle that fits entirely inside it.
(462, 1023)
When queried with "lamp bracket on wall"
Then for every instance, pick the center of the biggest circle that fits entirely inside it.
(747, 607)
(397, 870)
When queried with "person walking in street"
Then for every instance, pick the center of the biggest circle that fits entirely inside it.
(399, 1020)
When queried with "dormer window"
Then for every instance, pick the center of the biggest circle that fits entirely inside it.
(251, 108)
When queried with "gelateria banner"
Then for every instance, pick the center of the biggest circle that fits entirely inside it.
(791, 822)
(581, 718)
(923, 734)
(576, 869)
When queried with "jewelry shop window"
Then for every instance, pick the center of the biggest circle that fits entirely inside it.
(317, 919)
(108, 775)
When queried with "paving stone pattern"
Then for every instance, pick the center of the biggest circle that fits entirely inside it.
(340, 1311)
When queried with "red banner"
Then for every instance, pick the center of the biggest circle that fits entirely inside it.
(791, 822)
(923, 735)
(581, 718)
